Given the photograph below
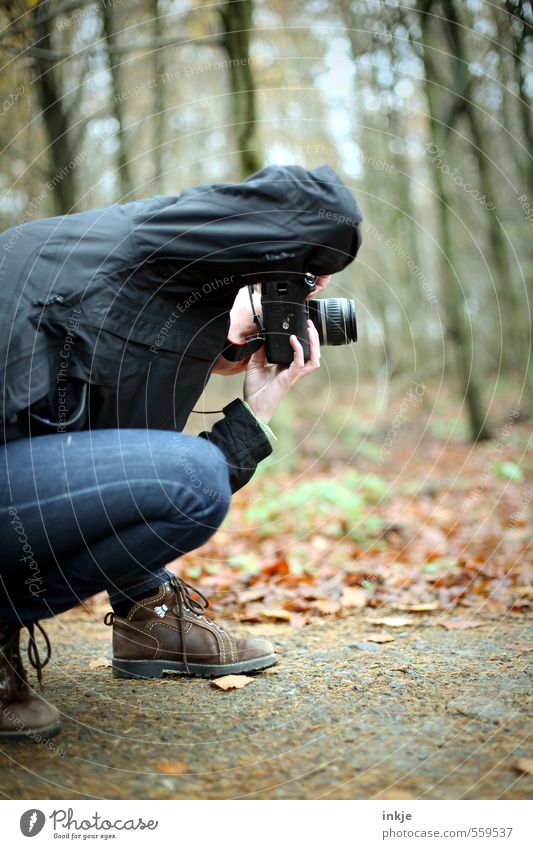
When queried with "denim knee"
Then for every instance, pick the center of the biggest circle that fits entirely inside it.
(206, 471)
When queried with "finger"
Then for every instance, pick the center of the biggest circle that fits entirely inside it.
(296, 346)
(314, 345)
(258, 358)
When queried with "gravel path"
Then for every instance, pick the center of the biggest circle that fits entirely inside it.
(434, 714)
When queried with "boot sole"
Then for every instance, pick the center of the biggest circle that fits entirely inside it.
(43, 733)
(159, 668)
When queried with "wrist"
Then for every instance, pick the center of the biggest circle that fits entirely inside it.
(260, 421)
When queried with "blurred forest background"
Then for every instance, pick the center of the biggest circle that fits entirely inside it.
(399, 495)
(423, 107)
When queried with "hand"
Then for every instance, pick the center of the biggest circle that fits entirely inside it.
(321, 283)
(266, 384)
(242, 326)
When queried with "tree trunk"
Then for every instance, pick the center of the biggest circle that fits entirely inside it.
(515, 337)
(61, 157)
(237, 22)
(158, 116)
(107, 14)
(452, 294)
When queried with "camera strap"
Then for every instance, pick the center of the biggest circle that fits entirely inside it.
(257, 319)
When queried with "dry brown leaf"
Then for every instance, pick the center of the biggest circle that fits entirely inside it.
(378, 638)
(394, 794)
(298, 620)
(171, 767)
(355, 597)
(325, 607)
(277, 613)
(460, 624)
(253, 594)
(524, 765)
(418, 608)
(527, 592)
(100, 661)
(391, 621)
(231, 682)
(518, 646)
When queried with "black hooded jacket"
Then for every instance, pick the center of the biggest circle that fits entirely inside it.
(115, 317)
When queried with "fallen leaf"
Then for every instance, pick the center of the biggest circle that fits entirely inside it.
(277, 613)
(392, 621)
(378, 638)
(171, 767)
(527, 592)
(524, 765)
(253, 594)
(355, 597)
(100, 661)
(518, 646)
(460, 624)
(298, 620)
(279, 567)
(250, 616)
(418, 608)
(394, 794)
(231, 682)
(326, 607)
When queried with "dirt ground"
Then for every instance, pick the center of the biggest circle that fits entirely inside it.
(433, 714)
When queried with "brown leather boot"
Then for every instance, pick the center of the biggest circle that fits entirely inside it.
(24, 715)
(169, 633)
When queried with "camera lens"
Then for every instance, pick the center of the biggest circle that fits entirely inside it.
(334, 319)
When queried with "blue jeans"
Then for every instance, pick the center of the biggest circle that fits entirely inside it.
(101, 510)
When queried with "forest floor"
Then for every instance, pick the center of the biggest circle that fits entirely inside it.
(434, 714)
(397, 589)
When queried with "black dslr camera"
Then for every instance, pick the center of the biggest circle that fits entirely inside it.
(285, 313)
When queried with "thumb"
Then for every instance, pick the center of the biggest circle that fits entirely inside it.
(258, 359)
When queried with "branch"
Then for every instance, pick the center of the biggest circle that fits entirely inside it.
(148, 46)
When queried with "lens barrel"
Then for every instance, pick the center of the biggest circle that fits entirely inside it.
(334, 319)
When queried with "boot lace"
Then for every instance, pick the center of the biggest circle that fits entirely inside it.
(11, 652)
(186, 601)
(33, 650)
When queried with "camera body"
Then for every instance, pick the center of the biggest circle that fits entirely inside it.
(286, 310)
(285, 313)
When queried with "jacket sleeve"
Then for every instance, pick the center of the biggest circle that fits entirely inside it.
(241, 440)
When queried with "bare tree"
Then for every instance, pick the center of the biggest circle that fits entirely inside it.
(56, 115)
(236, 16)
(109, 27)
(452, 292)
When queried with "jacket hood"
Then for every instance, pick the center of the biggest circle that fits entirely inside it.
(283, 219)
